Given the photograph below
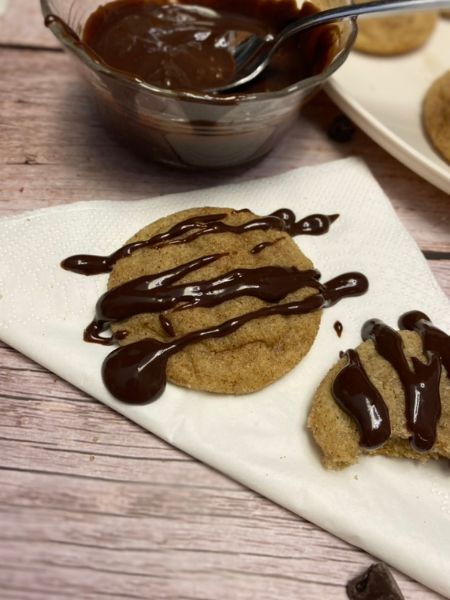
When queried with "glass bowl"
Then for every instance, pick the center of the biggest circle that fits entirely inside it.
(181, 128)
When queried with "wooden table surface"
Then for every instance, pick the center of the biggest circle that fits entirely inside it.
(92, 506)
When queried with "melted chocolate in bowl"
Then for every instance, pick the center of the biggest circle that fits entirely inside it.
(147, 62)
(185, 46)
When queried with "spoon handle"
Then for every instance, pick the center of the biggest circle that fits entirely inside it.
(355, 10)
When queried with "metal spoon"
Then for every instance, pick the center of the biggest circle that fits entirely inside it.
(253, 55)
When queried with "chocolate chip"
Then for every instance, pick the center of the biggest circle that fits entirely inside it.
(341, 129)
(376, 583)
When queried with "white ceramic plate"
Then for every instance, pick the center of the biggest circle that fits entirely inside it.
(383, 96)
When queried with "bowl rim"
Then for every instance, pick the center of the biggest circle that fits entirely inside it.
(97, 65)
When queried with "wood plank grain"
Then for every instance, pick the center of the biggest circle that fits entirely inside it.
(441, 270)
(130, 530)
(57, 151)
(98, 507)
(92, 506)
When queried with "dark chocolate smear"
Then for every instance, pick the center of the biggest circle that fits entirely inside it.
(433, 339)
(356, 395)
(376, 583)
(136, 373)
(193, 228)
(420, 383)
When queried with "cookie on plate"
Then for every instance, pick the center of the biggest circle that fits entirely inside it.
(255, 354)
(395, 34)
(361, 406)
(436, 115)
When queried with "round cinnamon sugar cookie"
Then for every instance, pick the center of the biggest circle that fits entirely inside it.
(254, 355)
(394, 34)
(337, 434)
(436, 115)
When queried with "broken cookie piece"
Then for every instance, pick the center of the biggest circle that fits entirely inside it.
(390, 396)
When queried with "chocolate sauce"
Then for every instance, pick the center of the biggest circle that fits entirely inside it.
(260, 247)
(154, 293)
(355, 393)
(188, 45)
(93, 331)
(315, 224)
(281, 220)
(109, 306)
(420, 382)
(167, 325)
(433, 339)
(338, 327)
(136, 373)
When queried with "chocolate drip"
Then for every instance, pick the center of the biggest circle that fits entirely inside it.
(345, 285)
(87, 264)
(260, 247)
(355, 393)
(315, 224)
(167, 325)
(433, 339)
(153, 293)
(136, 373)
(420, 384)
(93, 330)
(338, 327)
(282, 220)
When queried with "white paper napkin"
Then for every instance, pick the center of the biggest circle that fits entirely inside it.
(3, 6)
(395, 509)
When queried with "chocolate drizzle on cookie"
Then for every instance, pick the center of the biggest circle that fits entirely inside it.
(315, 224)
(194, 227)
(156, 293)
(420, 380)
(420, 383)
(263, 245)
(356, 394)
(167, 325)
(433, 339)
(136, 373)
